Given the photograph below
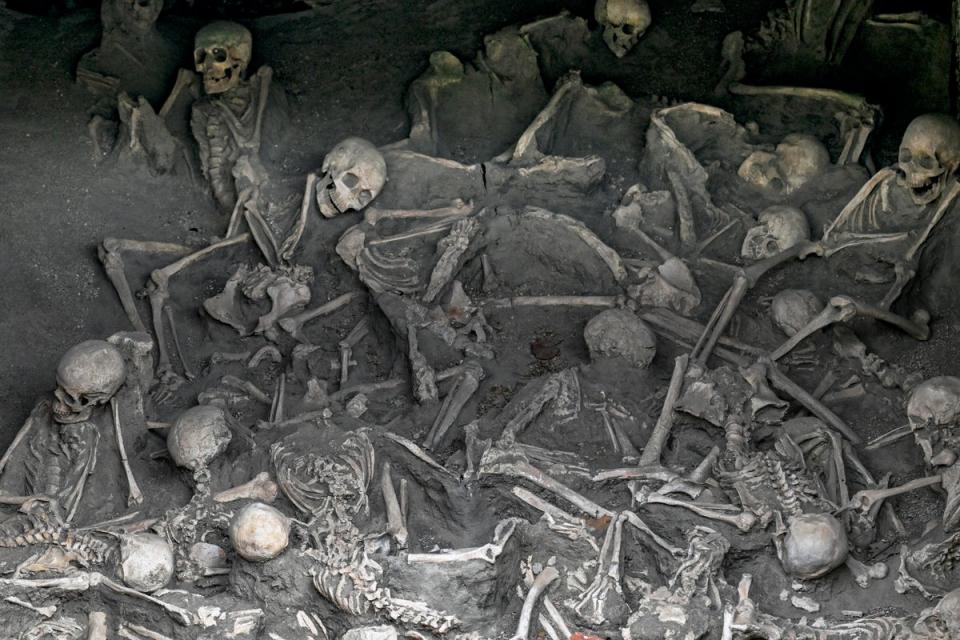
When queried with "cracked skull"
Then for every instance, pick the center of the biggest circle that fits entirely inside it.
(780, 228)
(934, 411)
(259, 532)
(354, 174)
(146, 562)
(941, 621)
(814, 545)
(795, 161)
(198, 436)
(793, 309)
(88, 375)
(624, 23)
(929, 156)
(221, 53)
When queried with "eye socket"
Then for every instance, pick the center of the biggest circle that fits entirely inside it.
(905, 156)
(350, 180)
(220, 55)
(200, 56)
(927, 162)
(366, 195)
(628, 29)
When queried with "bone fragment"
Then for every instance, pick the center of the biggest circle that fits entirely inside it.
(396, 525)
(538, 588)
(97, 625)
(894, 435)
(743, 521)
(552, 612)
(453, 404)
(838, 309)
(261, 489)
(550, 510)
(639, 524)
(346, 348)
(606, 302)
(863, 573)
(290, 244)
(46, 612)
(266, 352)
(176, 342)
(661, 431)
(488, 552)
(294, 324)
(811, 404)
(137, 632)
(247, 387)
(527, 471)
(135, 496)
(419, 453)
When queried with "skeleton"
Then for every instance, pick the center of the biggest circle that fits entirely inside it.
(624, 22)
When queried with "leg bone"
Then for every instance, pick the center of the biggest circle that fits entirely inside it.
(261, 489)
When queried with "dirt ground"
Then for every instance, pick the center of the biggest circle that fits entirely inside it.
(346, 67)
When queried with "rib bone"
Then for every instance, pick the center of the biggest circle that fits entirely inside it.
(261, 489)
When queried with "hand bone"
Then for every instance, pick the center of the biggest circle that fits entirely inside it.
(260, 489)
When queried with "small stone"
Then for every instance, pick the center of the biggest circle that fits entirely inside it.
(807, 604)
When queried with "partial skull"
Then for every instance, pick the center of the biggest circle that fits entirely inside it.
(793, 309)
(354, 174)
(933, 411)
(221, 54)
(259, 532)
(198, 436)
(929, 156)
(146, 562)
(815, 544)
(133, 17)
(624, 22)
(620, 334)
(779, 229)
(796, 160)
(88, 375)
(941, 621)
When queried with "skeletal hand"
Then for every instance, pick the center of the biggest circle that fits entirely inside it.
(168, 381)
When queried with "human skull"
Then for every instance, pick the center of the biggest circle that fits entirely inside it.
(780, 228)
(814, 545)
(198, 436)
(88, 375)
(793, 309)
(135, 17)
(929, 156)
(933, 411)
(221, 53)
(941, 621)
(259, 532)
(146, 562)
(620, 334)
(354, 174)
(624, 23)
(796, 160)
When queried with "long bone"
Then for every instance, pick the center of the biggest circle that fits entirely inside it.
(176, 343)
(488, 552)
(523, 469)
(396, 521)
(743, 281)
(661, 542)
(453, 403)
(135, 496)
(346, 346)
(744, 521)
(537, 589)
(844, 308)
(97, 625)
(590, 607)
(289, 245)
(557, 519)
(294, 324)
(661, 431)
(552, 612)
(159, 293)
(866, 499)
(261, 488)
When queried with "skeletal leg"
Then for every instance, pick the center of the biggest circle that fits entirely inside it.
(294, 324)
(158, 288)
(811, 404)
(111, 256)
(346, 345)
(640, 525)
(453, 404)
(261, 489)
(538, 588)
(135, 497)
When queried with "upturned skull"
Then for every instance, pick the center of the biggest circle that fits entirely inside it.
(934, 411)
(795, 161)
(88, 375)
(814, 545)
(221, 54)
(624, 23)
(354, 174)
(198, 436)
(793, 309)
(929, 156)
(780, 228)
